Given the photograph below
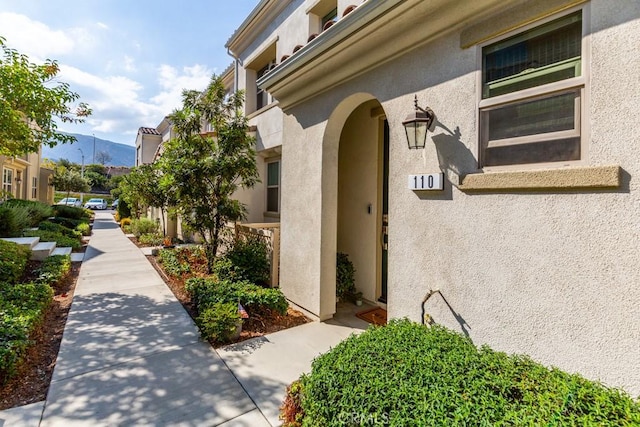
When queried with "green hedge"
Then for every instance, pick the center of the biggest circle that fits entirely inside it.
(13, 259)
(218, 321)
(22, 308)
(69, 222)
(59, 228)
(52, 236)
(70, 212)
(143, 226)
(13, 220)
(246, 260)
(36, 211)
(254, 298)
(405, 374)
(53, 269)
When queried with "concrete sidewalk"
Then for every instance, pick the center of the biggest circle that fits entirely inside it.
(131, 355)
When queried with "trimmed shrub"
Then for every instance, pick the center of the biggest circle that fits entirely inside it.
(52, 236)
(186, 259)
(153, 239)
(37, 211)
(84, 229)
(408, 374)
(123, 209)
(246, 260)
(207, 291)
(219, 321)
(143, 226)
(22, 308)
(13, 260)
(13, 219)
(70, 212)
(53, 269)
(68, 222)
(59, 228)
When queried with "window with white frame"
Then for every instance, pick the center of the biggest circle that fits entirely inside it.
(7, 181)
(273, 186)
(34, 187)
(533, 87)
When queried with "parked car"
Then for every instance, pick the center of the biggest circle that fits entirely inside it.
(114, 205)
(70, 201)
(96, 204)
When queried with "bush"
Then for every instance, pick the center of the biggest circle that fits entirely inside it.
(37, 211)
(409, 374)
(69, 222)
(84, 229)
(70, 212)
(153, 239)
(123, 209)
(254, 298)
(52, 236)
(59, 228)
(13, 260)
(22, 308)
(53, 269)
(345, 277)
(219, 321)
(143, 226)
(13, 219)
(247, 260)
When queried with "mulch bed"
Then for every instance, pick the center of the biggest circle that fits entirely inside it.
(32, 380)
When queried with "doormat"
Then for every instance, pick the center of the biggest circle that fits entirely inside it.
(376, 315)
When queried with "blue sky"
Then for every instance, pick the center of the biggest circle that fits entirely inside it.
(128, 59)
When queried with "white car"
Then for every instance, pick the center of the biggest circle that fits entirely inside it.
(70, 201)
(96, 204)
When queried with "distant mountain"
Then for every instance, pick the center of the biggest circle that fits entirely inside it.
(121, 154)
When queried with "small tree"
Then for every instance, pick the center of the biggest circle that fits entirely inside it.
(68, 180)
(30, 103)
(103, 157)
(204, 172)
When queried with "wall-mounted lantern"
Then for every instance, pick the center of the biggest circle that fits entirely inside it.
(417, 124)
(18, 177)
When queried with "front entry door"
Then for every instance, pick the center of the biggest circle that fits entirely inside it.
(384, 239)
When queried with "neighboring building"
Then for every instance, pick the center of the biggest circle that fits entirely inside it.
(533, 241)
(147, 142)
(24, 178)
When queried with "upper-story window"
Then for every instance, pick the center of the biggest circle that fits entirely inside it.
(34, 187)
(321, 14)
(532, 93)
(257, 98)
(273, 186)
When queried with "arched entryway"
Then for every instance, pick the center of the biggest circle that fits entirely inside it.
(355, 181)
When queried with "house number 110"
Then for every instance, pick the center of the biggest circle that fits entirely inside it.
(429, 181)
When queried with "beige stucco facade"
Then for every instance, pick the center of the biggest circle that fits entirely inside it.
(539, 259)
(23, 177)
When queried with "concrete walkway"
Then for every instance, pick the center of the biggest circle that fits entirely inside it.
(131, 355)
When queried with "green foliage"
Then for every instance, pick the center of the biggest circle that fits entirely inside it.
(345, 277)
(53, 269)
(84, 229)
(207, 291)
(150, 239)
(53, 236)
(37, 211)
(69, 180)
(143, 226)
(70, 212)
(123, 209)
(180, 261)
(246, 260)
(69, 222)
(22, 308)
(219, 321)
(59, 228)
(13, 220)
(33, 102)
(13, 259)
(203, 173)
(409, 374)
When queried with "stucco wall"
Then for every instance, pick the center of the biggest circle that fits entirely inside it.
(551, 274)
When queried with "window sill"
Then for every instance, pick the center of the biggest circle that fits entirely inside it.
(271, 215)
(594, 177)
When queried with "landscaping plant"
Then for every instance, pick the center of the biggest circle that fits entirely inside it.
(345, 277)
(53, 269)
(53, 236)
(36, 211)
(13, 220)
(248, 259)
(143, 226)
(13, 259)
(408, 374)
(219, 321)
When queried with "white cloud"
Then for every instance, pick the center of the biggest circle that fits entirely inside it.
(102, 25)
(35, 38)
(129, 64)
(173, 83)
